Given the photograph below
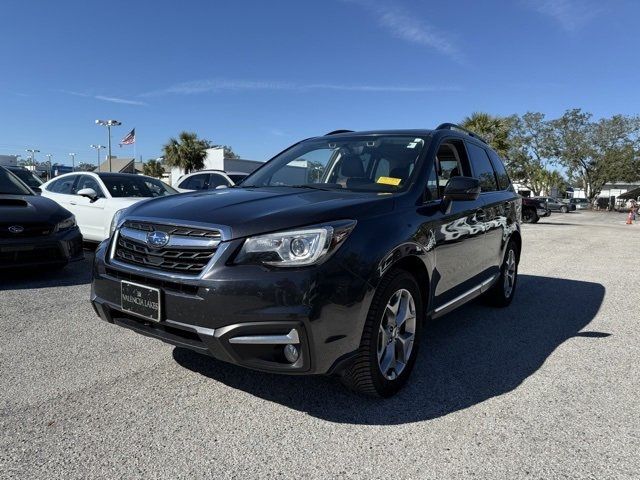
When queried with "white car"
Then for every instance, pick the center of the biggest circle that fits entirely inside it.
(94, 198)
(209, 180)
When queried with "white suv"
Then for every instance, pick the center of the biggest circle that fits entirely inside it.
(208, 180)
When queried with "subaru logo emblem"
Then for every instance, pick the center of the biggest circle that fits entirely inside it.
(16, 229)
(157, 239)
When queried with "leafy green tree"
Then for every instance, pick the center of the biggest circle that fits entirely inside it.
(228, 151)
(495, 130)
(528, 158)
(186, 152)
(595, 153)
(85, 167)
(153, 168)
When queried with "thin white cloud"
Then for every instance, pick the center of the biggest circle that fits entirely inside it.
(118, 100)
(404, 25)
(204, 86)
(571, 15)
(103, 98)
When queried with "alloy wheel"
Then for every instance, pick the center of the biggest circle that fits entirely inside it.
(509, 273)
(396, 334)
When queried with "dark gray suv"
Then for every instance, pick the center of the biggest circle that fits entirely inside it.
(326, 260)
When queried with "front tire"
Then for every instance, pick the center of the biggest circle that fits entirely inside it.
(390, 339)
(564, 209)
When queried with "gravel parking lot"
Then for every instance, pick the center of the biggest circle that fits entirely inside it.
(547, 388)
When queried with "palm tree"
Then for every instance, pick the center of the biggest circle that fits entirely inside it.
(495, 130)
(153, 168)
(187, 152)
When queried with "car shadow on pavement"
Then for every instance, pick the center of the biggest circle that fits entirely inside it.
(75, 273)
(466, 357)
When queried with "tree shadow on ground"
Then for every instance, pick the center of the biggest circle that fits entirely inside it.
(466, 357)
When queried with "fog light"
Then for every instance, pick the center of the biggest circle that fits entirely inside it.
(291, 353)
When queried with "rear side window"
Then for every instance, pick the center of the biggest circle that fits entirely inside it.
(197, 182)
(62, 185)
(482, 168)
(217, 180)
(501, 173)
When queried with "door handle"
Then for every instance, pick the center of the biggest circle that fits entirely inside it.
(72, 203)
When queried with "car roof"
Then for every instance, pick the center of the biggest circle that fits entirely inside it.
(411, 132)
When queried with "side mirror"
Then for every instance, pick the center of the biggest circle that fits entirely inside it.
(462, 189)
(37, 190)
(221, 186)
(90, 193)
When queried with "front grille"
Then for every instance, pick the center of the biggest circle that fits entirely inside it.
(189, 260)
(28, 230)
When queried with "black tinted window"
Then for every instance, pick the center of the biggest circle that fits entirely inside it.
(26, 176)
(87, 181)
(136, 186)
(217, 180)
(62, 185)
(501, 173)
(197, 182)
(11, 185)
(482, 168)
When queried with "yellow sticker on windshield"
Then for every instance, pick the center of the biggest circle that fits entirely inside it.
(389, 181)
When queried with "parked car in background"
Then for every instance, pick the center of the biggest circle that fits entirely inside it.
(323, 267)
(27, 177)
(533, 210)
(94, 198)
(206, 180)
(34, 231)
(580, 203)
(237, 177)
(556, 204)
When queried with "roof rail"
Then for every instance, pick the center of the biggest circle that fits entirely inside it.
(453, 126)
(335, 132)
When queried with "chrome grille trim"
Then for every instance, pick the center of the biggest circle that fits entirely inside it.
(174, 241)
(190, 253)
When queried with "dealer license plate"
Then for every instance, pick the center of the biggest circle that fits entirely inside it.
(140, 300)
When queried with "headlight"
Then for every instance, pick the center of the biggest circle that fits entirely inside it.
(116, 220)
(66, 223)
(295, 248)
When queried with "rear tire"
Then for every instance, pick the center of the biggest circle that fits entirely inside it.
(529, 215)
(390, 339)
(502, 292)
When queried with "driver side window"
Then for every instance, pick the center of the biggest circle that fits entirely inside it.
(451, 161)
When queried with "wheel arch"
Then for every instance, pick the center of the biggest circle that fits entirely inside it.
(413, 265)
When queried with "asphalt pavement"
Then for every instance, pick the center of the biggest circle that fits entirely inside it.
(547, 388)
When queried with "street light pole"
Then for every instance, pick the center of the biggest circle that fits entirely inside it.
(48, 155)
(73, 161)
(32, 155)
(109, 124)
(97, 148)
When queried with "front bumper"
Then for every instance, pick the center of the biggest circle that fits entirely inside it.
(56, 249)
(247, 315)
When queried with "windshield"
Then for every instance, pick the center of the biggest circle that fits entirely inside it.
(27, 177)
(237, 177)
(383, 163)
(11, 185)
(136, 186)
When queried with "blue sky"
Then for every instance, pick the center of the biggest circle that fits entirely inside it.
(261, 75)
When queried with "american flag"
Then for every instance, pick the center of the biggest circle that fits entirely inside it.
(130, 138)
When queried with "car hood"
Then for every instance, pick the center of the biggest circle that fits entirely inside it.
(250, 211)
(25, 209)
